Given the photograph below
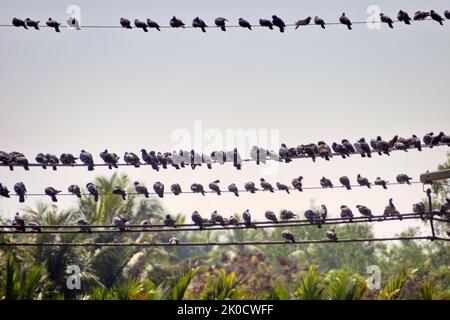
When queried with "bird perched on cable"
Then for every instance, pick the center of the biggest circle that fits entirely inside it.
(313, 217)
(233, 189)
(415, 142)
(141, 189)
(125, 23)
(427, 138)
(250, 187)
(307, 150)
(52, 160)
(331, 234)
(326, 183)
(271, 216)
(197, 188)
(73, 22)
(118, 190)
(278, 22)
(435, 140)
(348, 147)
(366, 212)
(6, 159)
(323, 212)
(93, 190)
(4, 192)
(345, 181)
(421, 15)
(150, 158)
(244, 23)
(52, 192)
(319, 21)
(176, 23)
(447, 14)
(158, 187)
(199, 23)
(302, 22)
(214, 187)
(346, 212)
(84, 225)
(132, 159)
(197, 219)
(153, 24)
(346, 21)
(217, 218)
(67, 159)
(419, 208)
(19, 223)
(381, 182)
(20, 190)
(324, 150)
(266, 23)
(207, 160)
(53, 24)
(436, 17)
(195, 159)
(110, 159)
(282, 187)
(390, 210)
(382, 146)
(401, 145)
(285, 153)
(162, 160)
(266, 185)
(40, 158)
(392, 142)
(403, 16)
(169, 222)
(288, 236)
(403, 178)
(221, 23)
(287, 215)
(297, 183)
(19, 158)
(363, 181)
(386, 19)
(34, 226)
(174, 241)
(247, 218)
(176, 189)
(32, 23)
(445, 209)
(75, 190)
(140, 24)
(340, 149)
(19, 23)
(363, 148)
(87, 159)
(121, 223)
(237, 161)
(445, 139)
(232, 220)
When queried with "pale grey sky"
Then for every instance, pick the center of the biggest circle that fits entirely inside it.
(126, 89)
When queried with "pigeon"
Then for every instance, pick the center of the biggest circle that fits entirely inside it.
(19, 23)
(176, 189)
(302, 22)
(247, 218)
(141, 189)
(363, 148)
(73, 22)
(168, 221)
(197, 188)
(427, 138)
(110, 159)
(176, 23)
(150, 158)
(288, 235)
(153, 24)
(220, 22)
(386, 19)
(266, 23)
(162, 160)
(93, 190)
(53, 24)
(282, 187)
(445, 208)
(403, 16)
(415, 142)
(19, 223)
(199, 23)
(52, 160)
(266, 185)
(366, 212)
(326, 183)
(340, 149)
(421, 15)
(331, 234)
(196, 159)
(42, 160)
(382, 146)
(197, 219)
(436, 139)
(158, 187)
(363, 181)
(244, 23)
(346, 212)
(215, 187)
(120, 222)
(132, 159)
(19, 159)
(217, 218)
(447, 14)
(297, 183)
(345, 20)
(207, 160)
(118, 190)
(140, 24)
(419, 208)
(84, 225)
(125, 23)
(319, 21)
(34, 226)
(284, 153)
(345, 181)
(4, 192)
(400, 146)
(403, 178)
(390, 210)
(67, 159)
(310, 216)
(381, 182)
(287, 215)
(52, 192)
(250, 187)
(174, 241)
(233, 188)
(87, 159)
(233, 221)
(308, 150)
(278, 22)
(32, 23)
(323, 212)
(271, 216)
(146, 223)
(20, 190)
(237, 161)
(348, 146)
(324, 150)
(445, 140)
(6, 159)
(392, 142)
(436, 17)
(75, 190)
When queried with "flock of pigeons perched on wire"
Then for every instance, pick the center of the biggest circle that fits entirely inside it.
(314, 217)
(175, 188)
(221, 22)
(193, 159)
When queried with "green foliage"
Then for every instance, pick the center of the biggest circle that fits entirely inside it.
(222, 288)
(393, 289)
(311, 286)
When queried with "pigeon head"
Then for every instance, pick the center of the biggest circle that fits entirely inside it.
(358, 206)
(136, 183)
(359, 176)
(343, 14)
(343, 206)
(274, 17)
(262, 180)
(168, 216)
(300, 178)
